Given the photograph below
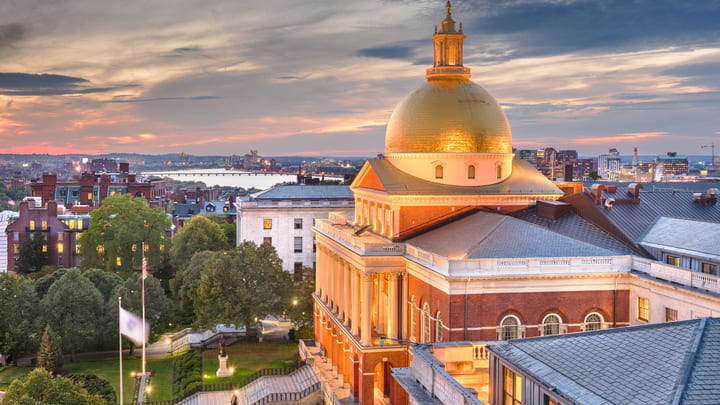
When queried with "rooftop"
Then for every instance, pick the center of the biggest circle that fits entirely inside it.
(303, 192)
(524, 180)
(684, 234)
(665, 363)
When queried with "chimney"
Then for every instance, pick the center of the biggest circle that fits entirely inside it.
(597, 190)
(124, 167)
(634, 190)
(52, 208)
(551, 209)
(49, 178)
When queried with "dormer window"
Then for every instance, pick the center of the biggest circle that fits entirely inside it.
(499, 171)
(438, 172)
(471, 172)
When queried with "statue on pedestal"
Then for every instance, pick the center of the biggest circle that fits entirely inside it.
(222, 360)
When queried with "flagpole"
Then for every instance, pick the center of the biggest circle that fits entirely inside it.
(120, 350)
(144, 270)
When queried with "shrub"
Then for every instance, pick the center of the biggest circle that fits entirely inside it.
(188, 373)
(95, 385)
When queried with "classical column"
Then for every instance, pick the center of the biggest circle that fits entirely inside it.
(365, 287)
(404, 323)
(318, 272)
(348, 294)
(331, 280)
(355, 317)
(392, 313)
(338, 284)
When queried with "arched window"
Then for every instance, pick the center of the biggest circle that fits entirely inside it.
(510, 325)
(425, 338)
(551, 324)
(593, 321)
(471, 172)
(452, 55)
(499, 170)
(413, 324)
(438, 327)
(438, 172)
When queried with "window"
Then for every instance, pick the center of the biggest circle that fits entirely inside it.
(499, 171)
(550, 401)
(60, 247)
(509, 326)
(551, 325)
(16, 236)
(471, 172)
(267, 240)
(100, 249)
(297, 267)
(267, 223)
(44, 224)
(71, 224)
(643, 309)
(32, 225)
(298, 244)
(671, 315)
(60, 237)
(425, 337)
(593, 321)
(118, 261)
(44, 248)
(79, 224)
(413, 324)
(438, 172)
(710, 268)
(438, 327)
(512, 388)
(298, 223)
(452, 55)
(89, 196)
(672, 260)
(77, 249)
(17, 249)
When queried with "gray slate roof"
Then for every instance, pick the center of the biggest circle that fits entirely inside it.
(697, 236)
(576, 227)
(489, 235)
(524, 179)
(635, 220)
(186, 210)
(303, 192)
(648, 364)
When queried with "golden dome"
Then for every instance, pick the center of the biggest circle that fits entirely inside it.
(448, 116)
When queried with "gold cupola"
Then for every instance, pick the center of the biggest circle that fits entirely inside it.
(448, 51)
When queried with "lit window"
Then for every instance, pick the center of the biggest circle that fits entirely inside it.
(267, 240)
(298, 223)
(134, 248)
(298, 244)
(118, 261)
(162, 247)
(671, 315)
(471, 172)
(550, 401)
(438, 172)
(89, 196)
(60, 237)
(44, 248)
(593, 321)
(17, 249)
(146, 248)
(60, 247)
(452, 55)
(79, 224)
(44, 224)
(551, 325)
(112, 193)
(32, 225)
(512, 388)
(710, 268)
(77, 249)
(101, 249)
(71, 224)
(643, 309)
(510, 325)
(672, 260)
(267, 223)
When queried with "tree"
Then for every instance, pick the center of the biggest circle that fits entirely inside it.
(19, 309)
(302, 309)
(594, 175)
(117, 230)
(50, 355)
(103, 280)
(229, 229)
(197, 235)
(33, 253)
(40, 388)
(242, 285)
(73, 307)
(43, 284)
(157, 305)
(186, 283)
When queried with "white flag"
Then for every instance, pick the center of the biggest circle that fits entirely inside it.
(131, 326)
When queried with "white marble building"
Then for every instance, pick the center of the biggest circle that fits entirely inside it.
(6, 217)
(284, 216)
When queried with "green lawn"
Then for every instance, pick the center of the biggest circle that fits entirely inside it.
(245, 357)
(248, 358)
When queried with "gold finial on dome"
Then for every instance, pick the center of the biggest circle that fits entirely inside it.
(448, 51)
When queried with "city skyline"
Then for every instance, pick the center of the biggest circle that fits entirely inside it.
(322, 78)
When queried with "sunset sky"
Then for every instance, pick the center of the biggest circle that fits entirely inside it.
(314, 77)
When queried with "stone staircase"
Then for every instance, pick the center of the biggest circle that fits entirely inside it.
(291, 388)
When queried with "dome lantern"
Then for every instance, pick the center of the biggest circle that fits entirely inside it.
(448, 51)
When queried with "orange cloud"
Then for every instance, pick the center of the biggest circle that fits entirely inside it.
(127, 139)
(45, 147)
(594, 140)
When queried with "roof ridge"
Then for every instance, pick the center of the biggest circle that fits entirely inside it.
(487, 234)
(689, 363)
(563, 235)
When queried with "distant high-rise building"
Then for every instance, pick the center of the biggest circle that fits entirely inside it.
(672, 164)
(609, 165)
(531, 155)
(583, 167)
(103, 166)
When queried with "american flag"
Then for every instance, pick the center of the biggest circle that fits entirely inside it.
(144, 268)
